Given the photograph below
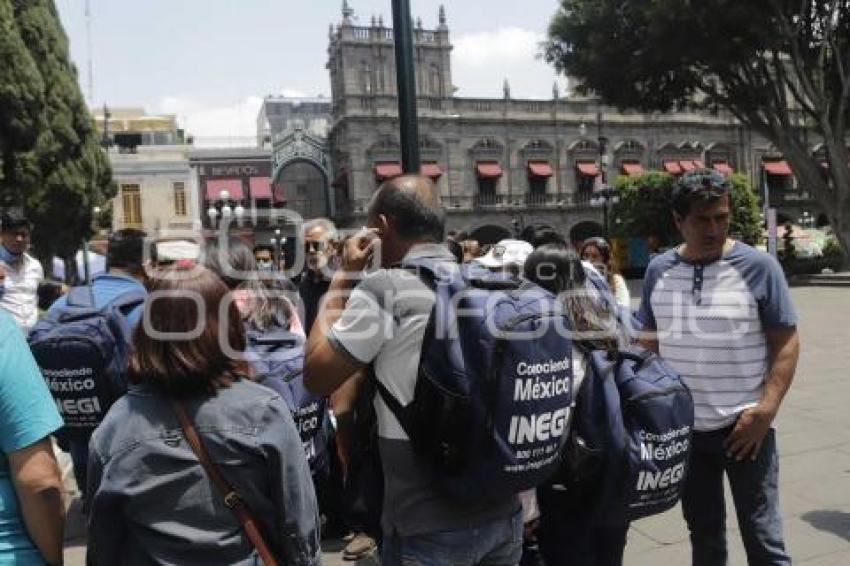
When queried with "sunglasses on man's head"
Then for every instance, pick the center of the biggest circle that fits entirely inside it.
(707, 179)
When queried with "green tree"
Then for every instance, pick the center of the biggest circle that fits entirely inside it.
(746, 223)
(644, 208)
(781, 67)
(66, 174)
(21, 98)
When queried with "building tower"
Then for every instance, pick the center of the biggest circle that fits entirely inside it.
(361, 59)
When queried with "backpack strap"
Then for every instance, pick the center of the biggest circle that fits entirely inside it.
(81, 297)
(125, 302)
(393, 404)
(231, 497)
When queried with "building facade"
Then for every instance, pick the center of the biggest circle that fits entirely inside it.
(502, 162)
(155, 189)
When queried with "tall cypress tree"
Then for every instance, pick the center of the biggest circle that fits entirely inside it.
(21, 101)
(66, 174)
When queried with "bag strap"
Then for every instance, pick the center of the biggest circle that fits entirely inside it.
(232, 499)
(125, 302)
(393, 404)
(81, 296)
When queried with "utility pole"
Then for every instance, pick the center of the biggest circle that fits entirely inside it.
(406, 82)
(90, 63)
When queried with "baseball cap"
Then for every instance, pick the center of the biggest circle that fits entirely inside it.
(506, 252)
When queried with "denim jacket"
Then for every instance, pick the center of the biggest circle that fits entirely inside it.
(151, 501)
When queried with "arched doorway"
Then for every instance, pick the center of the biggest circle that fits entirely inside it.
(490, 234)
(304, 187)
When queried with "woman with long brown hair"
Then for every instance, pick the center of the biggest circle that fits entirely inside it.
(597, 252)
(154, 500)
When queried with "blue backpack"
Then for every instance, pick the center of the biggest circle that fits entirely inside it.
(631, 435)
(495, 384)
(83, 352)
(278, 361)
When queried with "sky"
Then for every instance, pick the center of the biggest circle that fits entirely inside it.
(210, 62)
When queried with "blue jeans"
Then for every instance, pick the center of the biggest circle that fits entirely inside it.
(497, 543)
(754, 492)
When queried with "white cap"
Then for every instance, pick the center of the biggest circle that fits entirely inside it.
(174, 250)
(505, 253)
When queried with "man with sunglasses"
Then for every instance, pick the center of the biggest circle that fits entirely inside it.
(23, 272)
(720, 313)
(320, 236)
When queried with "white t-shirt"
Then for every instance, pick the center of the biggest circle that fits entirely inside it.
(20, 295)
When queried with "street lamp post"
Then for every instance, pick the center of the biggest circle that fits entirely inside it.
(221, 207)
(86, 247)
(604, 194)
(279, 248)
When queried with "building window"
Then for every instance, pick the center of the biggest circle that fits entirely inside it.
(435, 81)
(365, 78)
(131, 199)
(537, 185)
(179, 199)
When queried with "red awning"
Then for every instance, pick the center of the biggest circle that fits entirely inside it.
(216, 186)
(540, 169)
(698, 164)
(431, 169)
(672, 167)
(632, 168)
(387, 170)
(687, 165)
(488, 169)
(261, 187)
(587, 168)
(722, 167)
(777, 168)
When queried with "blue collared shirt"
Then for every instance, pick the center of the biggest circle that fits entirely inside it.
(108, 286)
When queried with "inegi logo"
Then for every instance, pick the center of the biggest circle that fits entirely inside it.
(85, 406)
(537, 427)
(661, 479)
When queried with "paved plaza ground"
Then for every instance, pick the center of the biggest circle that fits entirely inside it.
(814, 445)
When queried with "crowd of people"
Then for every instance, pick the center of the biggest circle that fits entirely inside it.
(226, 414)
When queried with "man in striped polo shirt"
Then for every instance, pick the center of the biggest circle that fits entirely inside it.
(723, 318)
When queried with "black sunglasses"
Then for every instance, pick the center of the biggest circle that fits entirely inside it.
(318, 246)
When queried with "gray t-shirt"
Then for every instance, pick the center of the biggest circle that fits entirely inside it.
(384, 323)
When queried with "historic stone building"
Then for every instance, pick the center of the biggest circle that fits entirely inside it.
(500, 163)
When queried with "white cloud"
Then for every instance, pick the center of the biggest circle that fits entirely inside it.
(482, 60)
(503, 45)
(215, 124)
